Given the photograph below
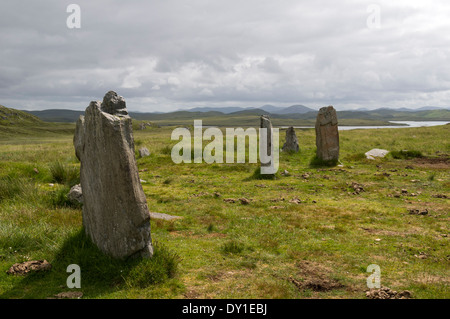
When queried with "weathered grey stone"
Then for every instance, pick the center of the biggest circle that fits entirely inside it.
(115, 212)
(76, 194)
(291, 144)
(143, 152)
(376, 152)
(267, 124)
(327, 134)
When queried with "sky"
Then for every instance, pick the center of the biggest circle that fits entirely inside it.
(166, 55)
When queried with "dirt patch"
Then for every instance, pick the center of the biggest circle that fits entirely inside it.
(191, 234)
(388, 232)
(416, 211)
(442, 162)
(191, 294)
(315, 277)
(29, 266)
(387, 293)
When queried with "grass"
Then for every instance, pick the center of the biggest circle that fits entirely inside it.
(405, 154)
(65, 174)
(307, 234)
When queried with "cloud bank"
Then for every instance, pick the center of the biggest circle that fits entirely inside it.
(169, 55)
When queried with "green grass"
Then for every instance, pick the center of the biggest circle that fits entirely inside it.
(220, 249)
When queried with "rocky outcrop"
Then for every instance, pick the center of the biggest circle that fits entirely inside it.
(115, 212)
(327, 135)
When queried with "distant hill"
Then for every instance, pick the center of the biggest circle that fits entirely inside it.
(225, 110)
(296, 109)
(57, 115)
(294, 113)
(10, 116)
(293, 109)
(20, 124)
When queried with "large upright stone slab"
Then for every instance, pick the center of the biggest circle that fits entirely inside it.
(266, 141)
(115, 212)
(327, 135)
(291, 144)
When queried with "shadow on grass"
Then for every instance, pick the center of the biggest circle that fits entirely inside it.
(258, 176)
(317, 162)
(100, 274)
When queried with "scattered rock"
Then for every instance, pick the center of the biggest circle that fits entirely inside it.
(295, 201)
(229, 200)
(29, 266)
(418, 212)
(69, 295)
(76, 194)
(244, 201)
(217, 194)
(276, 207)
(36, 170)
(305, 175)
(376, 152)
(327, 134)
(285, 173)
(144, 152)
(439, 196)
(421, 255)
(387, 293)
(358, 188)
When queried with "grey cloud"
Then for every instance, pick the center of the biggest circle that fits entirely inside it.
(177, 53)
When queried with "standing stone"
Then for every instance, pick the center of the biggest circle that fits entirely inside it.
(115, 212)
(267, 124)
(144, 152)
(291, 144)
(327, 135)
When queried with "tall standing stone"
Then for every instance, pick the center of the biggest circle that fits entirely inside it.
(266, 140)
(115, 212)
(327, 135)
(291, 144)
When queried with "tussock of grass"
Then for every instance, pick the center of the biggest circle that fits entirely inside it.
(12, 187)
(64, 174)
(232, 247)
(405, 154)
(59, 199)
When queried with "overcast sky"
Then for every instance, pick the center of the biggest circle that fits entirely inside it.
(164, 55)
